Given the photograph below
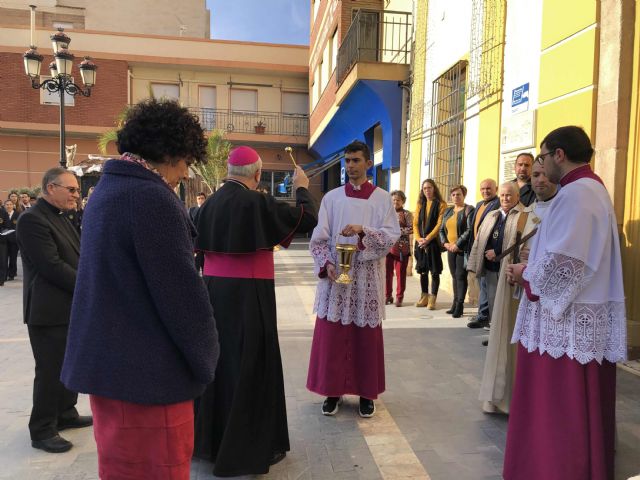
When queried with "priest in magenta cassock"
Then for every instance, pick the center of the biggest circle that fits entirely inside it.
(570, 328)
(241, 420)
(347, 354)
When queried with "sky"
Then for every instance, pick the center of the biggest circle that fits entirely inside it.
(272, 21)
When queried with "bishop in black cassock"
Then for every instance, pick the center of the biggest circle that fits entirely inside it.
(241, 420)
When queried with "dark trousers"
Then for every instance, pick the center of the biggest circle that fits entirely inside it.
(51, 400)
(3, 260)
(12, 253)
(458, 275)
(394, 264)
(435, 283)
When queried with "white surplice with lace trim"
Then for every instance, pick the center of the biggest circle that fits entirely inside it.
(576, 270)
(362, 301)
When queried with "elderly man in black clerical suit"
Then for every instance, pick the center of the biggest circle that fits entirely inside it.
(50, 247)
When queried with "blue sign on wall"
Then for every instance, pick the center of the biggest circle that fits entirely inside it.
(520, 99)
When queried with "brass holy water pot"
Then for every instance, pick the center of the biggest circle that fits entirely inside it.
(345, 259)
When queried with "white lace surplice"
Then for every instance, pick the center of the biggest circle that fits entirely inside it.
(576, 270)
(362, 301)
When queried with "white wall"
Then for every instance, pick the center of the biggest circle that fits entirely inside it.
(448, 41)
(521, 66)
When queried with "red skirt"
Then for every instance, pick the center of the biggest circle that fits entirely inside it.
(562, 420)
(346, 360)
(142, 441)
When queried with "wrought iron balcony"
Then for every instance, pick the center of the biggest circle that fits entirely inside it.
(383, 37)
(270, 123)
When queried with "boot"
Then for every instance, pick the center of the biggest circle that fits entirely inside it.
(431, 302)
(452, 309)
(424, 299)
(399, 301)
(458, 309)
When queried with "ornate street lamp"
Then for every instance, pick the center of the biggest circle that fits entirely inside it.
(60, 80)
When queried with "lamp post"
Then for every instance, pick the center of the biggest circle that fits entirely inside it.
(60, 80)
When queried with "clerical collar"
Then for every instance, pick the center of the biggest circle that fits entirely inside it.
(53, 208)
(364, 191)
(578, 173)
(237, 182)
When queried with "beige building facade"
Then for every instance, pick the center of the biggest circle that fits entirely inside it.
(186, 18)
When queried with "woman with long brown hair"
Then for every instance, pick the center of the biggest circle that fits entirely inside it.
(427, 251)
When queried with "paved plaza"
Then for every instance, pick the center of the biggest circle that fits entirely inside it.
(428, 425)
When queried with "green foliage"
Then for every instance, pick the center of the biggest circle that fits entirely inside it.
(215, 169)
(112, 135)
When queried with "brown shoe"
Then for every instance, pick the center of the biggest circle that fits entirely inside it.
(431, 302)
(424, 299)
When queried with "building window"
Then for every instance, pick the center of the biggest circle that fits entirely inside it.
(326, 65)
(244, 100)
(272, 180)
(53, 98)
(318, 89)
(314, 96)
(207, 103)
(334, 50)
(169, 91)
(446, 135)
(295, 103)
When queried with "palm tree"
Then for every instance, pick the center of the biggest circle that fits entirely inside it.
(215, 169)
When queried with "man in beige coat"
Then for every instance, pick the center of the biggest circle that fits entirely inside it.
(499, 367)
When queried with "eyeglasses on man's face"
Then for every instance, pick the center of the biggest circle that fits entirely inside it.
(540, 157)
(72, 190)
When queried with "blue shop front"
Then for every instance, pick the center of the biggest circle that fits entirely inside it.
(372, 113)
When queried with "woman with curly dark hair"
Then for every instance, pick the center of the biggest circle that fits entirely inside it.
(142, 339)
(427, 251)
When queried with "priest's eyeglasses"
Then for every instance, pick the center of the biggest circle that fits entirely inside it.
(540, 157)
(72, 190)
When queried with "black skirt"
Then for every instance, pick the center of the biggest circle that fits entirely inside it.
(428, 259)
(241, 419)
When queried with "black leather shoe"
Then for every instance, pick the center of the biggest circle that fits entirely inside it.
(478, 322)
(79, 422)
(452, 309)
(277, 457)
(458, 310)
(485, 343)
(55, 444)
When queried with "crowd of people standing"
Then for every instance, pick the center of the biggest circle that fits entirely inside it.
(180, 364)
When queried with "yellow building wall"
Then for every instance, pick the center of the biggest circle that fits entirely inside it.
(561, 19)
(631, 222)
(568, 66)
(416, 133)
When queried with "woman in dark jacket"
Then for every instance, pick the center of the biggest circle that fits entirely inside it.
(142, 338)
(454, 236)
(426, 227)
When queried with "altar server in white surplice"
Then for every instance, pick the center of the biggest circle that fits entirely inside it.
(347, 354)
(570, 328)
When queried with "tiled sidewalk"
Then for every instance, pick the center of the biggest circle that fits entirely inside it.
(428, 425)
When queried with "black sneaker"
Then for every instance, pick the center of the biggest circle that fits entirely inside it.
(367, 408)
(331, 405)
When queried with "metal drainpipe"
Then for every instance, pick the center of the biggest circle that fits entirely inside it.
(404, 152)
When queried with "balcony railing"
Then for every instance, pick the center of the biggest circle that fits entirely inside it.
(270, 123)
(383, 37)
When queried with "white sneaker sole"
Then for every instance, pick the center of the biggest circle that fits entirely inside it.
(367, 415)
(335, 410)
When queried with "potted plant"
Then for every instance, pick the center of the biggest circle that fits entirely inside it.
(260, 127)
